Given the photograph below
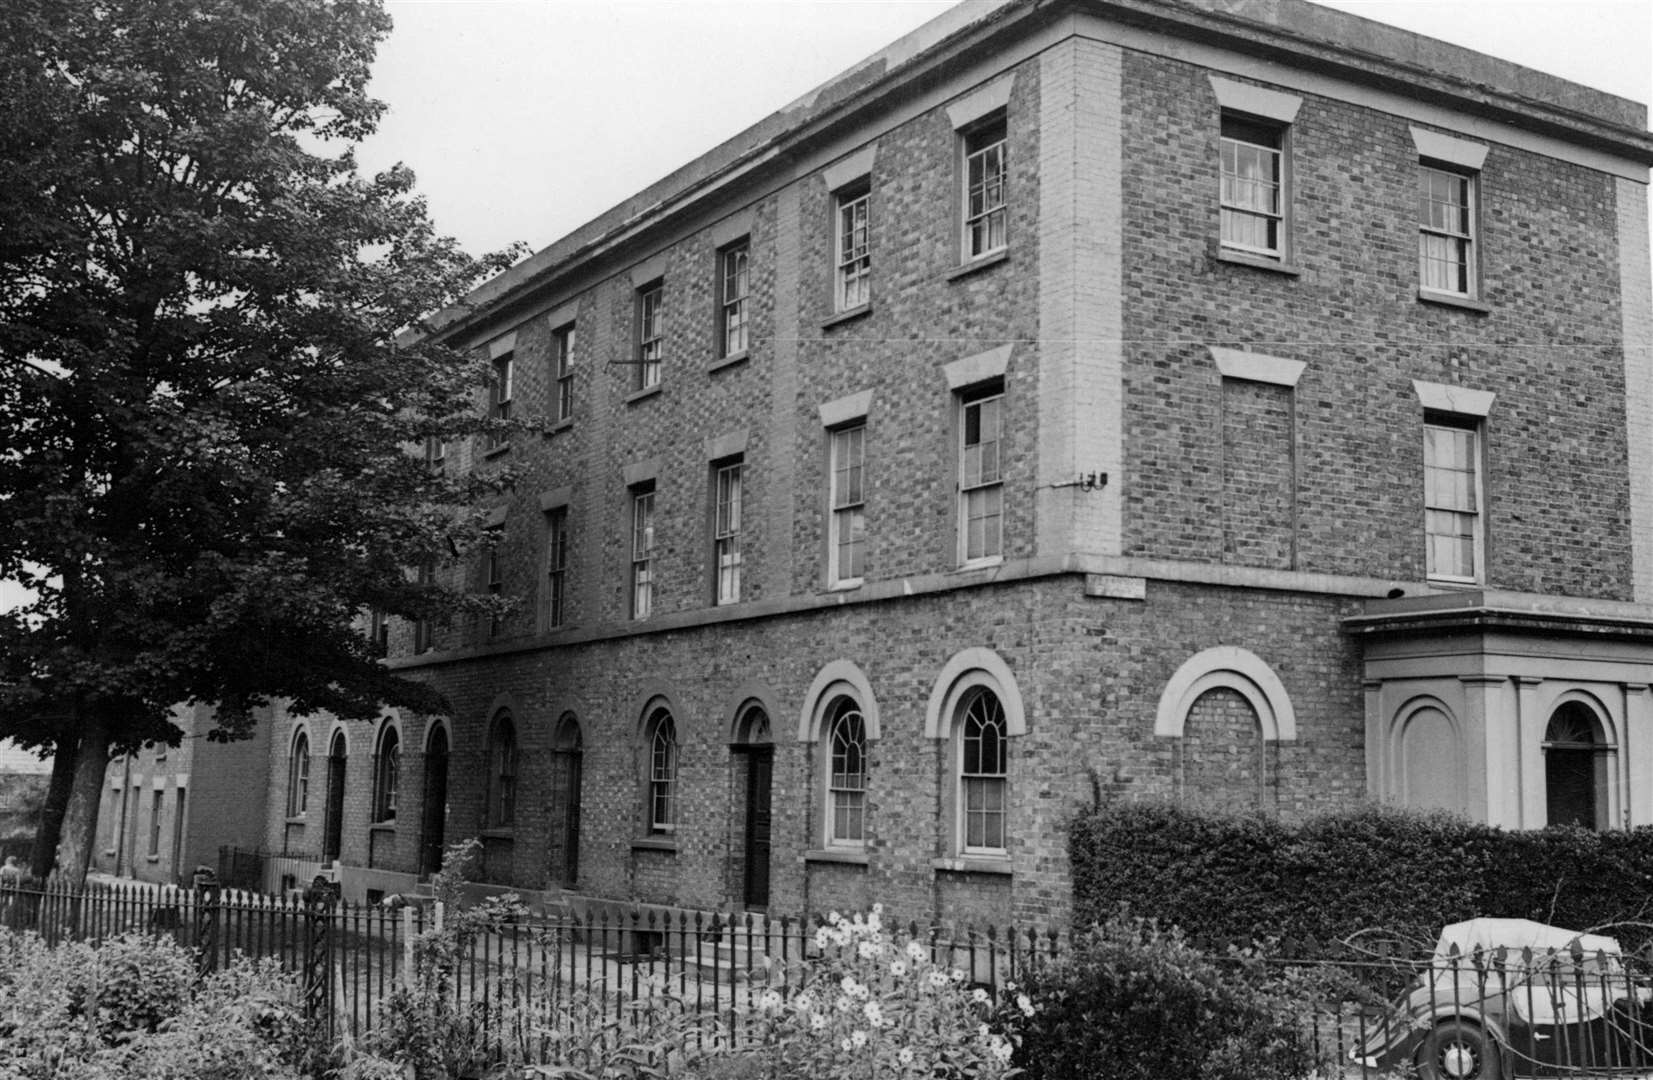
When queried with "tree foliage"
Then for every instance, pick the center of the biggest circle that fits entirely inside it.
(210, 370)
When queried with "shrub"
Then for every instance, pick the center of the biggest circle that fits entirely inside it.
(1227, 880)
(1131, 1001)
(131, 1007)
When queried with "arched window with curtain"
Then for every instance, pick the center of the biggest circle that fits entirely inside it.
(847, 776)
(387, 773)
(660, 737)
(502, 773)
(983, 775)
(298, 776)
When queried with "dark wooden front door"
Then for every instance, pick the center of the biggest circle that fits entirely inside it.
(759, 768)
(333, 825)
(434, 815)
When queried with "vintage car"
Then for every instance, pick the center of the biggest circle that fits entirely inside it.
(1512, 997)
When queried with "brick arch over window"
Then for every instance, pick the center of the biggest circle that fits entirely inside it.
(968, 669)
(838, 679)
(738, 709)
(1242, 671)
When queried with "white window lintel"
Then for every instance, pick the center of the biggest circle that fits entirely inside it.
(732, 228)
(1255, 100)
(979, 368)
(1256, 367)
(843, 410)
(981, 101)
(1446, 148)
(727, 445)
(1461, 400)
(640, 472)
(562, 314)
(553, 498)
(501, 345)
(847, 170)
(650, 270)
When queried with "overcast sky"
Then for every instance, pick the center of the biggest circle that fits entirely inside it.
(523, 119)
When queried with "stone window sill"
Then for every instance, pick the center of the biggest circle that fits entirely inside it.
(732, 360)
(497, 451)
(1464, 303)
(1259, 262)
(642, 395)
(843, 856)
(560, 426)
(974, 864)
(848, 315)
(976, 265)
(497, 833)
(667, 844)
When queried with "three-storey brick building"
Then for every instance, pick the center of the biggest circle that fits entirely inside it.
(1245, 404)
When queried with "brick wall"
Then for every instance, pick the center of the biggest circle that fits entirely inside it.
(1549, 348)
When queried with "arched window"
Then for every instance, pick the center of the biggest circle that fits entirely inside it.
(298, 776)
(847, 776)
(983, 791)
(1576, 764)
(660, 735)
(387, 774)
(502, 773)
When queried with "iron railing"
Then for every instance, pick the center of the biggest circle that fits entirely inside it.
(1508, 1012)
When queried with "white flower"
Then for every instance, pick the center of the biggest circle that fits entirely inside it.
(840, 937)
(874, 1014)
(937, 978)
(834, 918)
(878, 909)
(915, 951)
(860, 992)
(979, 996)
(869, 950)
(957, 975)
(1024, 1003)
(821, 937)
(875, 921)
(999, 1048)
(803, 1002)
(847, 984)
(858, 1037)
(981, 1031)
(847, 1045)
(843, 1004)
(817, 1021)
(897, 968)
(905, 1056)
(770, 1002)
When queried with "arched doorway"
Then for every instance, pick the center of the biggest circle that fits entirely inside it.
(1576, 756)
(333, 830)
(564, 840)
(433, 818)
(755, 760)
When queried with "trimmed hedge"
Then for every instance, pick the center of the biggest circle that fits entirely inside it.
(1394, 874)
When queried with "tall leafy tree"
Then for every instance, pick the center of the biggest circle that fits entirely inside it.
(211, 377)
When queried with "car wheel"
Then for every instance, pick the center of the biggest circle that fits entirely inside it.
(1455, 1050)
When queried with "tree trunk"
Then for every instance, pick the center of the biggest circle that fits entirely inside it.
(80, 817)
(50, 829)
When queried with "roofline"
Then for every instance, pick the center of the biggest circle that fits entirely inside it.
(1296, 32)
